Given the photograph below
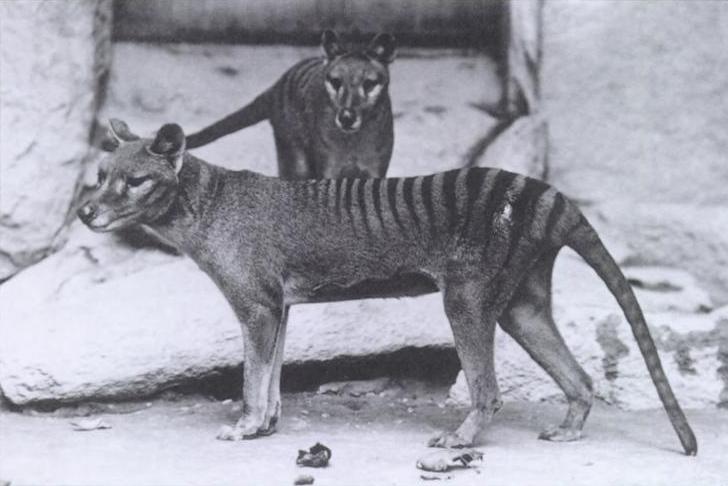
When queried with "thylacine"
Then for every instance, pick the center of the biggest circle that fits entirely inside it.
(486, 238)
(331, 116)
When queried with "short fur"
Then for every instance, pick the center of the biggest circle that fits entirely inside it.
(331, 115)
(485, 238)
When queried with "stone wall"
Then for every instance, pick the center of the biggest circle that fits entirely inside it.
(53, 57)
(637, 107)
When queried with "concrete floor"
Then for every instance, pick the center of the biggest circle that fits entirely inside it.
(375, 441)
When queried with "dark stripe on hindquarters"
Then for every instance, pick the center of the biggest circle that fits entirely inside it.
(557, 210)
(392, 199)
(449, 196)
(474, 181)
(426, 195)
(326, 183)
(348, 197)
(523, 214)
(376, 198)
(361, 200)
(315, 192)
(295, 76)
(409, 200)
(306, 73)
(337, 201)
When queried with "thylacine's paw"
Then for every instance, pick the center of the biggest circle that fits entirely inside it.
(233, 433)
(560, 434)
(449, 440)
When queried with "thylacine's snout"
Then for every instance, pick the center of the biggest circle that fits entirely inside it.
(87, 212)
(348, 120)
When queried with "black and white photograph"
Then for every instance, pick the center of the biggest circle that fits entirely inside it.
(363, 242)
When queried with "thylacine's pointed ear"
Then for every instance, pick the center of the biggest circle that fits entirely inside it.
(331, 45)
(383, 48)
(170, 143)
(117, 134)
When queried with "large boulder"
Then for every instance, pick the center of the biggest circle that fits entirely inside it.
(690, 236)
(632, 94)
(53, 57)
(101, 320)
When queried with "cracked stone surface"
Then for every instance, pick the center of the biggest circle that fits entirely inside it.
(46, 115)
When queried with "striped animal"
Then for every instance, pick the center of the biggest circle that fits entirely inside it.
(485, 238)
(331, 116)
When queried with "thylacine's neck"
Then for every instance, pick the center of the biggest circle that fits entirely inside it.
(199, 184)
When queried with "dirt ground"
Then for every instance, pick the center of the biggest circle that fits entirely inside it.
(375, 440)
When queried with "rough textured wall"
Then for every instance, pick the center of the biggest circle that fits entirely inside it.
(53, 56)
(635, 94)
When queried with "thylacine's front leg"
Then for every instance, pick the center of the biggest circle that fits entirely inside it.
(262, 326)
(273, 412)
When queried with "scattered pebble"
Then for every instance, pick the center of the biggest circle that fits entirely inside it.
(410, 409)
(85, 425)
(227, 401)
(325, 415)
(303, 479)
(435, 477)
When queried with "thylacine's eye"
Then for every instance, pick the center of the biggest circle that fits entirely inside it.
(101, 178)
(334, 82)
(137, 181)
(369, 84)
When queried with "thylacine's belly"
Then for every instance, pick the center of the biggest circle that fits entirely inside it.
(400, 285)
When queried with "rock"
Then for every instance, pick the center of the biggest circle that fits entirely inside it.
(633, 114)
(600, 339)
(356, 388)
(520, 148)
(100, 320)
(53, 59)
(692, 237)
(634, 119)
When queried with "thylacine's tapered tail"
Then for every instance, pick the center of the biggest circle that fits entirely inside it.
(584, 240)
(252, 113)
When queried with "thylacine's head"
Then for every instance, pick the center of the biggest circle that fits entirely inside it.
(137, 182)
(356, 80)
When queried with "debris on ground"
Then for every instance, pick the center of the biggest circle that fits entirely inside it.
(303, 479)
(435, 477)
(447, 459)
(85, 425)
(357, 388)
(317, 456)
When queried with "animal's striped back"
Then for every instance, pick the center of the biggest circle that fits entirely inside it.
(467, 206)
(295, 83)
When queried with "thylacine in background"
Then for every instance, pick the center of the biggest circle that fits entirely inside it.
(331, 116)
(486, 238)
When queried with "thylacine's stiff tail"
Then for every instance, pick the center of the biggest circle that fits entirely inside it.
(252, 113)
(584, 240)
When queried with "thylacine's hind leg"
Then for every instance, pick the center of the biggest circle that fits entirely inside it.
(529, 321)
(473, 326)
